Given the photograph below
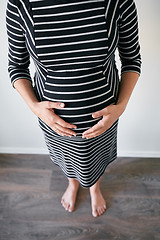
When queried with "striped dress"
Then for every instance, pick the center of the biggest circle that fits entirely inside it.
(72, 44)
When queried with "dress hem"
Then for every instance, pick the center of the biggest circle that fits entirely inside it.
(97, 178)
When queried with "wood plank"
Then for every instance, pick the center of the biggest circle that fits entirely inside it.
(31, 187)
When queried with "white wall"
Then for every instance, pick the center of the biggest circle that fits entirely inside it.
(139, 127)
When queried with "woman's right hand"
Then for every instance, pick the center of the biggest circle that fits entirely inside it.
(45, 111)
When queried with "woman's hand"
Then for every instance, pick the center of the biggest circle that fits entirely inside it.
(113, 112)
(45, 111)
(110, 115)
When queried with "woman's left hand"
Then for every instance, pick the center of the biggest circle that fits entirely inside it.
(109, 115)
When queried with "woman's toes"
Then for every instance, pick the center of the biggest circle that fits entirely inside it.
(103, 210)
(71, 207)
(67, 207)
(94, 213)
(100, 211)
(62, 202)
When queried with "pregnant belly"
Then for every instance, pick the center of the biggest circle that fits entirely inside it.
(83, 92)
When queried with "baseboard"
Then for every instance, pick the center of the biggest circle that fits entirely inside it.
(24, 150)
(147, 154)
(143, 154)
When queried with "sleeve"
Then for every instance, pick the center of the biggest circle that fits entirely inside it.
(128, 46)
(18, 56)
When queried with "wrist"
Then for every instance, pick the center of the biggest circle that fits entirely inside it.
(34, 106)
(121, 107)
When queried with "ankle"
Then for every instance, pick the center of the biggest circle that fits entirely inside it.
(73, 183)
(95, 189)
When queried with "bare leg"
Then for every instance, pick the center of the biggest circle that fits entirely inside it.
(69, 197)
(97, 201)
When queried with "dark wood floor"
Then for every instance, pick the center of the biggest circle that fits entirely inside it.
(31, 187)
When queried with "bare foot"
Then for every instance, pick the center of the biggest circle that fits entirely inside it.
(98, 203)
(69, 197)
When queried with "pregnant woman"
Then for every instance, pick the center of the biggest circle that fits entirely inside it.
(76, 92)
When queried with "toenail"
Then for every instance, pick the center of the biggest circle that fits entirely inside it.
(94, 215)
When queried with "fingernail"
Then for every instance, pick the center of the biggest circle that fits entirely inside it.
(62, 104)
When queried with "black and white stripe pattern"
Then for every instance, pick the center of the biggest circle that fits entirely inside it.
(72, 44)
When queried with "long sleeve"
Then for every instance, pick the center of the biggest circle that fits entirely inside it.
(128, 46)
(18, 56)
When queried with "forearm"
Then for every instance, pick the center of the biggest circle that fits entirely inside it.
(25, 89)
(127, 84)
